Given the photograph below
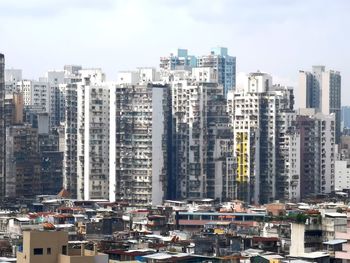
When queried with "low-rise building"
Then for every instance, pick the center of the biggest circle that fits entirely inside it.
(52, 247)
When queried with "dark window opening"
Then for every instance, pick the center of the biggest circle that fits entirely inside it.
(38, 251)
(64, 250)
(48, 251)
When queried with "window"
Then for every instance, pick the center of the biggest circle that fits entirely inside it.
(38, 251)
(64, 250)
(48, 251)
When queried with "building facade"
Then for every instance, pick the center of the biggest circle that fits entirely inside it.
(345, 117)
(70, 141)
(2, 125)
(317, 141)
(341, 175)
(321, 89)
(264, 142)
(23, 170)
(202, 163)
(140, 143)
(35, 93)
(93, 136)
(178, 61)
(222, 65)
(12, 76)
(51, 163)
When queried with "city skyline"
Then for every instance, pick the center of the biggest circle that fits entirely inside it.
(277, 38)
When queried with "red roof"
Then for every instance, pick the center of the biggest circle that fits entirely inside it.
(62, 216)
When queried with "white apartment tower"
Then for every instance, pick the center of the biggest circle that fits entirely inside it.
(262, 116)
(222, 64)
(93, 135)
(2, 126)
(321, 89)
(69, 117)
(35, 93)
(12, 76)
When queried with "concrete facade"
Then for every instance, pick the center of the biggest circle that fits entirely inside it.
(321, 89)
(140, 143)
(317, 135)
(2, 125)
(52, 247)
(93, 135)
(265, 145)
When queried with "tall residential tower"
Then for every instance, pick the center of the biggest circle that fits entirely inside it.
(2, 125)
(264, 146)
(321, 90)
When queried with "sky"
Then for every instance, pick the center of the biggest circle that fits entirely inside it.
(279, 37)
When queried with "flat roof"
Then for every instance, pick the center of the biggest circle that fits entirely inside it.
(166, 255)
(174, 201)
(272, 256)
(316, 254)
(222, 214)
(22, 219)
(335, 214)
(335, 242)
(5, 259)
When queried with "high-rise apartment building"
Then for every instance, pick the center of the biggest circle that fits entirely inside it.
(202, 164)
(35, 93)
(263, 146)
(178, 61)
(321, 89)
(23, 170)
(12, 76)
(317, 144)
(93, 135)
(139, 76)
(51, 163)
(222, 64)
(14, 106)
(345, 117)
(70, 139)
(68, 115)
(2, 125)
(140, 143)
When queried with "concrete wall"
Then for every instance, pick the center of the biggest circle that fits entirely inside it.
(88, 258)
(44, 240)
(297, 240)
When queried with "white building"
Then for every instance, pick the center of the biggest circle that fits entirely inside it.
(93, 135)
(265, 146)
(12, 76)
(204, 75)
(139, 76)
(321, 89)
(223, 65)
(341, 175)
(35, 93)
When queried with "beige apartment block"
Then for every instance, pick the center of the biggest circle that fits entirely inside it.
(52, 247)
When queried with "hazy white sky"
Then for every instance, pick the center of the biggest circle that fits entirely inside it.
(276, 36)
